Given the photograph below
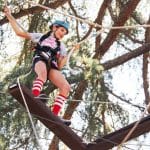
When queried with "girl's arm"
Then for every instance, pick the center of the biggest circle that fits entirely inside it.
(16, 27)
(62, 61)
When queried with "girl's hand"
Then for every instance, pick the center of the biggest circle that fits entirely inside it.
(76, 47)
(7, 11)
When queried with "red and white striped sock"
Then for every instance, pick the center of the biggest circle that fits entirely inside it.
(58, 104)
(37, 87)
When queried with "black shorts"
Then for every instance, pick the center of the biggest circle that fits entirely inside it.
(49, 64)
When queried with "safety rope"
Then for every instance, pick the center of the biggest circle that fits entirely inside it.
(87, 22)
(73, 71)
(65, 14)
(29, 114)
(107, 140)
(27, 108)
(5, 3)
(57, 123)
(120, 145)
(95, 102)
(138, 144)
(69, 55)
(134, 127)
(96, 25)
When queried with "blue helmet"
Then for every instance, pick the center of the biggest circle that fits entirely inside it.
(61, 23)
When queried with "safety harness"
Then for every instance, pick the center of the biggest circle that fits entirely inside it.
(49, 54)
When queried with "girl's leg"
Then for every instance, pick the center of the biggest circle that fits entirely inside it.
(41, 71)
(64, 88)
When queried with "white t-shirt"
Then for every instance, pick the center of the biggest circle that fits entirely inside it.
(50, 41)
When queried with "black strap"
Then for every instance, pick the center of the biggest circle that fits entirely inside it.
(45, 36)
(46, 49)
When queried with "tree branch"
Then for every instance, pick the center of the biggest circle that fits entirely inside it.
(124, 100)
(34, 10)
(123, 17)
(145, 70)
(126, 57)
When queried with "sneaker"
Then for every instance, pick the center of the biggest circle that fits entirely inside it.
(66, 122)
(43, 97)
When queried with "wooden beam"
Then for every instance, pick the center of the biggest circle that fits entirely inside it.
(43, 113)
(113, 139)
(73, 141)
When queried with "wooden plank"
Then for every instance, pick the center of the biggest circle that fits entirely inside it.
(43, 113)
(105, 143)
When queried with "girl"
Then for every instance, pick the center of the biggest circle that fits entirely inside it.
(50, 56)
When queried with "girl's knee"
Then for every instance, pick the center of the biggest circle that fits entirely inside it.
(43, 79)
(66, 87)
(42, 76)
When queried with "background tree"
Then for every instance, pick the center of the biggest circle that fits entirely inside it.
(103, 58)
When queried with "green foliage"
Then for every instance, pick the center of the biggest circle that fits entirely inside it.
(95, 98)
(1, 5)
(133, 33)
(92, 67)
(3, 142)
(117, 110)
(14, 123)
(15, 127)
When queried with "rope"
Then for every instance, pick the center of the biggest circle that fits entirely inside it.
(69, 55)
(68, 60)
(65, 14)
(29, 114)
(134, 127)
(77, 18)
(58, 123)
(138, 144)
(5, 3)
(1, 92)
(73, 71)
(107, 140)
(98, 102)
(90, 22)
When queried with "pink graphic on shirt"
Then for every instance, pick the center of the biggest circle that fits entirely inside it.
(50, 42)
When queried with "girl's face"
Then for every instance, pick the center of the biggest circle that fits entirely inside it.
(59, 32)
